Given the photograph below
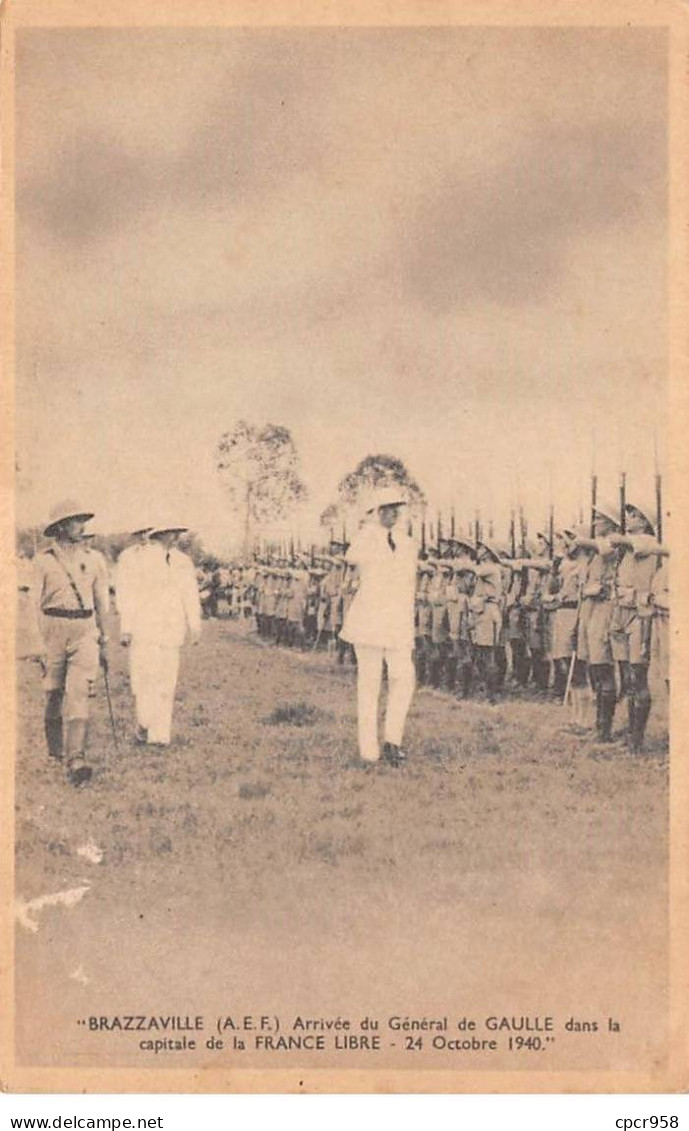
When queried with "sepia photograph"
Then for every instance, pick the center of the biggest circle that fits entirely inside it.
(344, 501)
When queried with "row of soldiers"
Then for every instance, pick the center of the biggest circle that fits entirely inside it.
(578, 612)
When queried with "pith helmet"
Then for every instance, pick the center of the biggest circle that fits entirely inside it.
(385, 497)
(155, 531)
(492, 550)
(644, 512)
(63, 512)
(610, 512)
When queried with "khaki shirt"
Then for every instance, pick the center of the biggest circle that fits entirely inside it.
(52, 588)
(635, 573)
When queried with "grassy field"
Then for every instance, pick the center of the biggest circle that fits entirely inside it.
(257, 866)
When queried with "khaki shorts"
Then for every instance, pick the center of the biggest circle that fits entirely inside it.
(488, 626)
(661, 632)
(564, 624)
(630, 636)
(594, 632)
(72, 662)
(514, 629)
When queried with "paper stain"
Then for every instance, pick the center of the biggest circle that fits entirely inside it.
(79, 975)
(24, 911)
(91, 852)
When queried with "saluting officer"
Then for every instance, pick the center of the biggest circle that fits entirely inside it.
(380, 622)
(593, 637)
(485, 605)
(71, 600)
(631, 620)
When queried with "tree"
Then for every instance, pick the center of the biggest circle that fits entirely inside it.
(371, 473)
(259, 467)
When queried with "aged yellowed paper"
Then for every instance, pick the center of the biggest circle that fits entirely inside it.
(344, 390)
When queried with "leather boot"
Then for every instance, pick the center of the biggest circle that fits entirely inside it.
(467, 680)
(78, 769)
(641, 712)
(53, 735)
(560, 680)
(631, 714)
(605, 713)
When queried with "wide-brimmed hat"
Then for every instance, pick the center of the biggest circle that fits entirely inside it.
(607, 511)
(62, 513)
(142, 530)
(385, 497)
(462, 544)
(644, 511)
(155, 531)
(492, 550)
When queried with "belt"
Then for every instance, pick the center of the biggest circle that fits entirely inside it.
(569, 605)
(69, 614)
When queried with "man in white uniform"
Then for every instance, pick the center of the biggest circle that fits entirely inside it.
(128, 588)
(159, 610)
(380, 623)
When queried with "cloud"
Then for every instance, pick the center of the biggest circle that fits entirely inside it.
(258, 130)
(503, 237)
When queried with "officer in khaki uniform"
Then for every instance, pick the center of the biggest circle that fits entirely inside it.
(562, 605)
(485, 605)
(71, 599)
(660, 600)
(422, 619)
(632, 612)
(460, 623)
(593, 639)
(437, 599)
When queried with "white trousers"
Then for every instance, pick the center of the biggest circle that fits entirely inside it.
(153, 673)
(401, 682)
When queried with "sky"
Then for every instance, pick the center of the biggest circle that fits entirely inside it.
(448, 245)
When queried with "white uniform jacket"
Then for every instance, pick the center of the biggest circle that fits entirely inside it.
(159, 600)
(381, 614)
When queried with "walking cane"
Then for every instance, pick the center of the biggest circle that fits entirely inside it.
(104, 665)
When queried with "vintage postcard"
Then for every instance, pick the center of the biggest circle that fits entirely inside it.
(345, 546)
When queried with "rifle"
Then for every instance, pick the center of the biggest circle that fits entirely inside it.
(439, 532)
(573, 658)
(551, 532)
(523, 531)
(104, 665)
(423, 538)
(594, 503)
(623, 502)
(452, 523)
(513, 536)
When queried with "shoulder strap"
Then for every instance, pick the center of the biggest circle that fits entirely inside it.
(71, 580)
